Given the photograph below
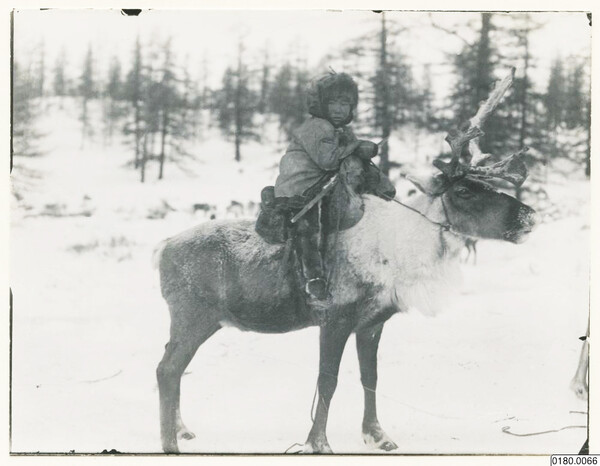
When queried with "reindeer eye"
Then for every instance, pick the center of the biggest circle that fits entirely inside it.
(463, 192)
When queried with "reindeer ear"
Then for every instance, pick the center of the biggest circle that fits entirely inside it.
(430, 185)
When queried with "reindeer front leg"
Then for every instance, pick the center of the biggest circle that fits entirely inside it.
(333, 339)
(367, 342)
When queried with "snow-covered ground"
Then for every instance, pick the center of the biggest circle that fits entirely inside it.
(89, 324)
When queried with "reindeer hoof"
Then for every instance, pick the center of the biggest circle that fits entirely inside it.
(319, 447)
(378, 439)
(185, 434)
(388, 445)
(171, 449)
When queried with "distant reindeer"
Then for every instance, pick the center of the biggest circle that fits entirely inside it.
(223, 273)
(235, 209)
(471, 247)
(161, 211)
(202, 207)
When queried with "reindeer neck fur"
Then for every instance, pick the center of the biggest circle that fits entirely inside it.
(405, 256)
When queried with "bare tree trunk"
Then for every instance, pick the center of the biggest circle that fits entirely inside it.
(386, 126)
(482, 70)
(238, 107)
(588, 120)
(483, 53)
(204, 103)
(137, 91)
(163, 138)
(238, 142)
(84, 121)
(42, 70)
(111, 121)
(138, 136)
(152, 151)
(524, 103)
(264, 84)
(417, 137)
(143, 159)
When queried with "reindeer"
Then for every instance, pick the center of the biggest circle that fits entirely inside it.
(235, 209)
(223, 274)
(203, 207)
(471, 247)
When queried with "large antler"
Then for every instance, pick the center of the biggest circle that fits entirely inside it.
(511, 169)
(485, 110)
(457, 140)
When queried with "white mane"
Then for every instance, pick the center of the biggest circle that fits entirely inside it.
(401, 252)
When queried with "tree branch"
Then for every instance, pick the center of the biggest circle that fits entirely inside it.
(448, 31)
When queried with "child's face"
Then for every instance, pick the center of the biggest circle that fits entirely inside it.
(338, 109)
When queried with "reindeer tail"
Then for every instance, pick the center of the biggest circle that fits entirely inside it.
(157, 253)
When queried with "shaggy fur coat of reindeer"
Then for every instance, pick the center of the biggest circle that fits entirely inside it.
(404, 256)
(392, 260)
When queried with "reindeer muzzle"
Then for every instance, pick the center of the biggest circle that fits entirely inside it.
(526, 221)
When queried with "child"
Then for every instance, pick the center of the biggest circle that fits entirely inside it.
(315, 153)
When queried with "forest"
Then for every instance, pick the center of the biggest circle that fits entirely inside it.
(161, 109)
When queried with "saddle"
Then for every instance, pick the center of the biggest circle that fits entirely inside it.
(273, 223)
(341, 209)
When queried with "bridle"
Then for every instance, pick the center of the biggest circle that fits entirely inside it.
(446, 226)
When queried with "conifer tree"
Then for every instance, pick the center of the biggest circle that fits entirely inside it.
(382, 98)
(41, 70)
(575, 101)
(87, 91)
(588, 126)
(167, 98)
(60, 80)
(25, 111)
(554, 99)
(113, 109)
(425, 112)
(166, 122)
(204, 91)
(281, 97)
(474, 71)
(174, 104)
(134, 94)
(287, 97)
(299, 110)
(236, 105)
(385, 82)
(264, 83)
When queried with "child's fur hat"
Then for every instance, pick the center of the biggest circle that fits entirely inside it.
(324, 87)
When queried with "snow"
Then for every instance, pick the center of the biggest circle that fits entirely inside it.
(89, 324)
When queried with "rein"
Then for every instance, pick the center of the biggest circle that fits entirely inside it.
(443, 226)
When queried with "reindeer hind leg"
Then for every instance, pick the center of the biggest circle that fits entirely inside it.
(182, 346)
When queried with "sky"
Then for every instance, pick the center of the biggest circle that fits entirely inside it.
(214, 35)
